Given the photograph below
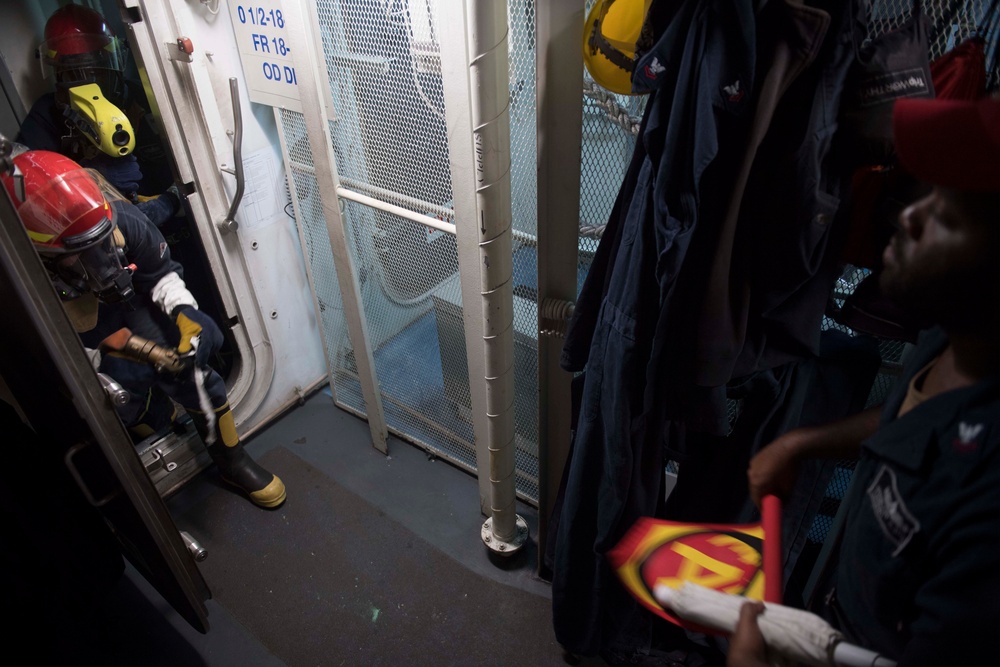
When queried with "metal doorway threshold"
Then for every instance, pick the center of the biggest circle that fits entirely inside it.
(173, 459)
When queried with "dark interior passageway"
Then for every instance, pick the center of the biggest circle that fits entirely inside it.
(372, 560)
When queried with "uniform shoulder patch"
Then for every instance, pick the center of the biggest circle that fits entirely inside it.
(733, 96)
(968, 438)
(894, 518)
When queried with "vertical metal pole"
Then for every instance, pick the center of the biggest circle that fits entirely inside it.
(489, 74)
(312, 85)
(560, 127)
(458, 117)
(488, 95)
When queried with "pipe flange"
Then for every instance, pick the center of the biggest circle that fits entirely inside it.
(502, 547)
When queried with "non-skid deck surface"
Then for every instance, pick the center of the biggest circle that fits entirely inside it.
(329, 579)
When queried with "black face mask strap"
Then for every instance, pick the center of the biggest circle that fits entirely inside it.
(65, 288)
(121, 290)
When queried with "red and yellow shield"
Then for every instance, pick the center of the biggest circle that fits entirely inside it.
(726, 558)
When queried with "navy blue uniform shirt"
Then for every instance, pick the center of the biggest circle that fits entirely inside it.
(918, 574)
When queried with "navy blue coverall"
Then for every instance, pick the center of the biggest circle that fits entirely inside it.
(148, 410)
(713, 197)
(917, 573)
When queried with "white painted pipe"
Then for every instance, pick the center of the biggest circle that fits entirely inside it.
(374, 192)
(353, 192)
(489, 80)
(385, 195)
(380, 205)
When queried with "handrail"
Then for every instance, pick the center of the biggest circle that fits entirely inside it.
(230, 224)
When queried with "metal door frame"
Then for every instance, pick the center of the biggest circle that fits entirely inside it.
(127, 497)
(559, 75)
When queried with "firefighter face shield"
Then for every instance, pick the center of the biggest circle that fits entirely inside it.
(78, 48)
(67, 213)
(97, 269)
(609, 38)
(82, 59)
(90, 88)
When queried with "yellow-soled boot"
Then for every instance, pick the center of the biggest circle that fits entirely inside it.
(237, 467)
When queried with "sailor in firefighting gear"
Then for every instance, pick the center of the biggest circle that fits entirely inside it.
(112, 269)
(95, 116)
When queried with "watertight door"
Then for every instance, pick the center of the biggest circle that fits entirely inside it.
(53, 383)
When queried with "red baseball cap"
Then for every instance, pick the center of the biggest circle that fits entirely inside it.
(951, 143)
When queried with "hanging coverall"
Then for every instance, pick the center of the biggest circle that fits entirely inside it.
(718, 74)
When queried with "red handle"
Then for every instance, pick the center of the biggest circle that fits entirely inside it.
(771, 520)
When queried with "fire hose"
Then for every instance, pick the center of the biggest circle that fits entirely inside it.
(162, 358)
(125, 344)
(144, 351)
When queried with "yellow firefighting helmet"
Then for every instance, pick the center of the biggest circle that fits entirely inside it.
(609, 39)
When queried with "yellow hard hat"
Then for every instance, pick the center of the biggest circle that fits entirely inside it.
(609, 38)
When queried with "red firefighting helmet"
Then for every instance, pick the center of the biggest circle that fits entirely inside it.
(67, 213)
(62, 205)
(78, 46)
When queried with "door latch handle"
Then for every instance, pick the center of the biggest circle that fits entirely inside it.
(84, 488)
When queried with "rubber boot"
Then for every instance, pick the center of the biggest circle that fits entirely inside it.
(235, 465)
(239, 469)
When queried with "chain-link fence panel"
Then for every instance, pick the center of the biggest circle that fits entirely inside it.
(524, 207)
(316, 247)
(390, 142)
(610, 128)
(952, 22)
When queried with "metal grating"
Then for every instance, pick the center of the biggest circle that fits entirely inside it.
(952, 23)
(312, 223)
(524, 208)
(385, 78)
(418, 362)
(891, 351)
(836, 489)
(610, 127)
(390, 143)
